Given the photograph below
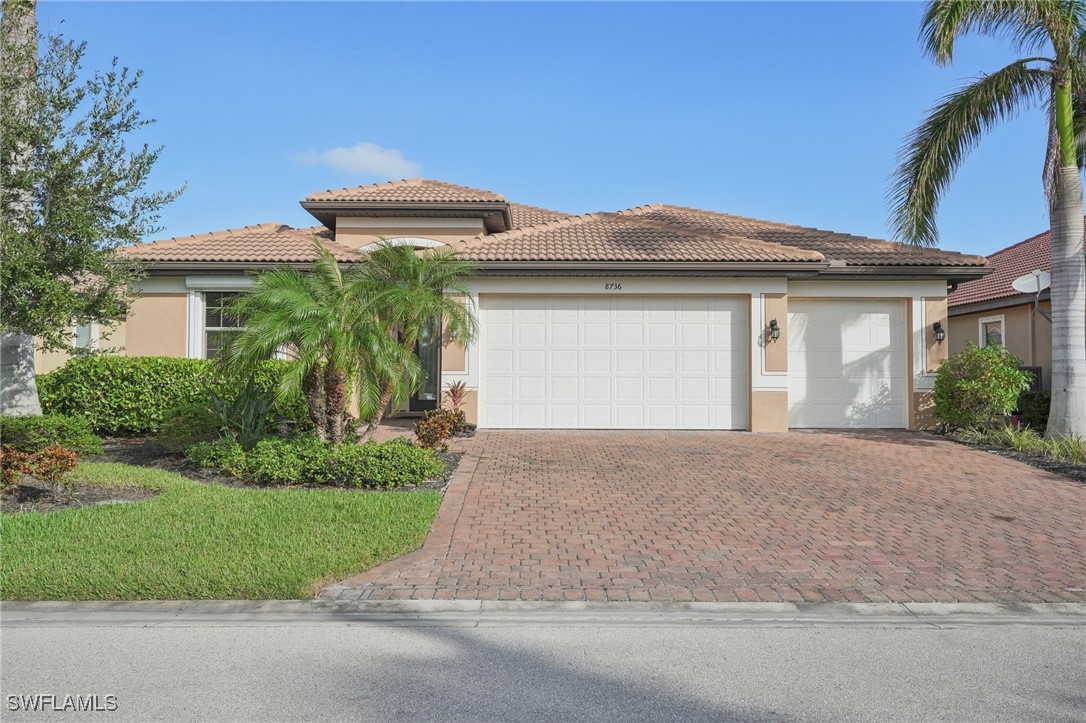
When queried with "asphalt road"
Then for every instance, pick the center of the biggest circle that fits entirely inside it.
(554, 666)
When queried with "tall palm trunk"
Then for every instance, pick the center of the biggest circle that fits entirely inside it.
(386, 393)
(19, 55)
(1068, 412)
(316, 400)
(335, 388)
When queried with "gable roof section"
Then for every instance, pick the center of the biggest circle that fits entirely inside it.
(409, 190)
(835, 247)
(603, 237)
(1008, 264)
(264, 243)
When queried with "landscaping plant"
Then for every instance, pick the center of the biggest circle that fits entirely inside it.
(13, 465)
(436, 426)
(121, 395)
(245, 415)
(1035, 407)
(978, 386)
(50, 465)
(186, 426)
(35, 433)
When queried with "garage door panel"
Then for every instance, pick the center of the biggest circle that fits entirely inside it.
(614, 362)
(847, 363)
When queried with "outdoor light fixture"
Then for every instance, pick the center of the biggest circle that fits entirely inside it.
(939, 333)
(774, 330)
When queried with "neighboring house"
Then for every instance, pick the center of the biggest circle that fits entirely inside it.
(656, 317)
(990, 311)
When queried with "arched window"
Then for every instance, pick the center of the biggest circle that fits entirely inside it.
(417, 242)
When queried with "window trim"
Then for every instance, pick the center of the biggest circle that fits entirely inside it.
(982, 339)
(93, 336)
(416, 241)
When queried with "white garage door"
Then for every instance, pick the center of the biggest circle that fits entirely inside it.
(613, 362)
(847, 364)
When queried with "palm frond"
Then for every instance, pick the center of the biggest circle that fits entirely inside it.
(1023, 22)
(934, 151)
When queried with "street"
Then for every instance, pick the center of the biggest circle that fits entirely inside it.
(300, 662)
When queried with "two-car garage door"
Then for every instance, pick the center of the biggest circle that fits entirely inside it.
(614, 362)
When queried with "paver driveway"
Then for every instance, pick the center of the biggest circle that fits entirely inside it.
(564, 515)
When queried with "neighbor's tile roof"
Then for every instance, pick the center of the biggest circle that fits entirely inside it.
(851, 250)
(264, 243)
(1010, 263)
(525, 216)
(409, 190)
(616, 237)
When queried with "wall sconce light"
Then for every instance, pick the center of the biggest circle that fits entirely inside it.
(939, 333)
(774, 331)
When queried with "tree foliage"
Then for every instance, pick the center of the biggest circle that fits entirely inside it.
(73, 188)
(975, 387)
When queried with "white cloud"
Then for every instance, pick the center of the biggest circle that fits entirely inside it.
(367, 158)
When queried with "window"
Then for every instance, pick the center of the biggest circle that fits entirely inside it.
(991, 331)
(85, 337)
(220, 321)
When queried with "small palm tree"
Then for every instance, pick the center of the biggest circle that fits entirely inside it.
(1052, 75)
(413, 291)
(324, 317)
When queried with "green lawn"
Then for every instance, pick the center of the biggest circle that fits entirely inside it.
(205, 541)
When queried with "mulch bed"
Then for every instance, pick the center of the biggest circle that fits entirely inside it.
(1076, 472)
(145, 452)
(33, 497)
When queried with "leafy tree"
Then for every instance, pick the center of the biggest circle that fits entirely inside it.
(325, 318)
(414, 291)
(975, 387)
(1052, 75)
(72, 193)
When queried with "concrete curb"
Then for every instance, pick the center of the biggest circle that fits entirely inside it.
(476, 613)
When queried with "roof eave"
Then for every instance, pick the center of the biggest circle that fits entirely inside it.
(1002, 302)
(951, 274)
(731, 268)
(325, 211)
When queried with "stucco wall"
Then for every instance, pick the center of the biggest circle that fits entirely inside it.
(111, 339)
(157, 325)
(358, 232)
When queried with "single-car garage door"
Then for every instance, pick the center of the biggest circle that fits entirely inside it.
(613, 362)
(847, 363)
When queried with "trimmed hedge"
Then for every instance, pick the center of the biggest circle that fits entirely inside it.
(132, 395)
(34, 434)
(307, 460)
(1035, 407)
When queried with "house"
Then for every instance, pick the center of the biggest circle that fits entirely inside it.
(654, 317)
(990, 311)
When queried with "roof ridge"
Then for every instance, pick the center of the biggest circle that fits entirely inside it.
(406, 182)
(778, 224)
(218, 234)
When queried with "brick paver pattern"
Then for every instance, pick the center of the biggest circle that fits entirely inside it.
(709, 516)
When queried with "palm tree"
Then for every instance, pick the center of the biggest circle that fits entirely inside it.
(1049, 34)
(413, 292)
(325, 318)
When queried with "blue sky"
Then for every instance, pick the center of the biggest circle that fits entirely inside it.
(792, 112)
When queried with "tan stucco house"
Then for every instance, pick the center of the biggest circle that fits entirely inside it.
(654, 317)
(990, 311)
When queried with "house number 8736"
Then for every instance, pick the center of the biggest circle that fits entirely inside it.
(612, 286)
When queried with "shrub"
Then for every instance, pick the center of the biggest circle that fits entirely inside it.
(1070, 449)
(224, 454)
(131, 395)
(391, 464)
(34, 433)
(975, 387)
(13, 465)
(293, 460)
(284, 460)
(183, 427)
(1035, 406)
(438, 425)
(52, 465)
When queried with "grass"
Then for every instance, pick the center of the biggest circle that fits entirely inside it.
(201, 541)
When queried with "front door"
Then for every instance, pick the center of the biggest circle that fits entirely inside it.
(428, 351)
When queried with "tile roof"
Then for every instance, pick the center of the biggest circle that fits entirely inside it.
(264, 243)
(1009, 263)
(408, 190)
(852, 250)
(525, 216)
(617, 237)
